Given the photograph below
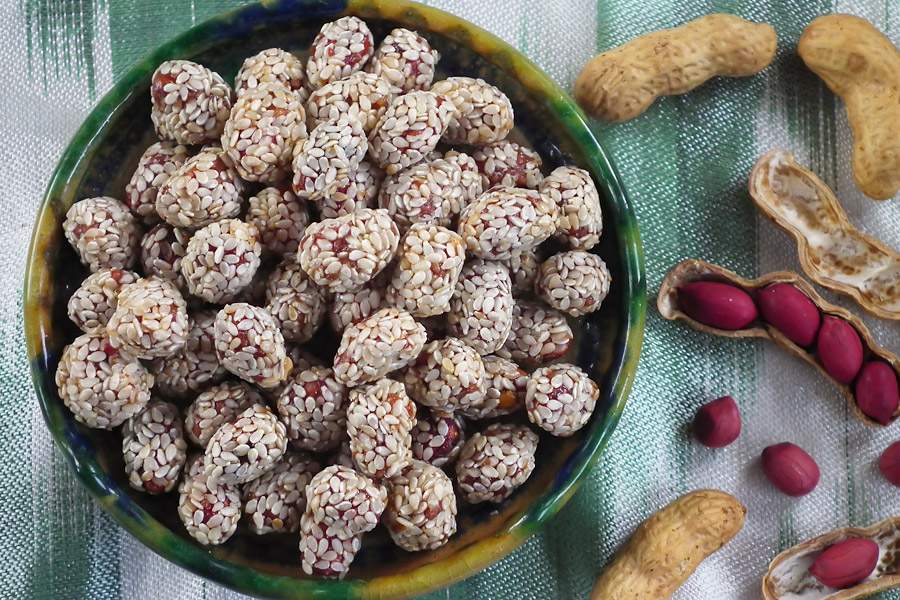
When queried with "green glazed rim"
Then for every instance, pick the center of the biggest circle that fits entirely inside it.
(630, 286)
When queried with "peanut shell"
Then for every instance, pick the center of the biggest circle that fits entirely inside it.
(832, 252)
(688, 271)
(788, 575)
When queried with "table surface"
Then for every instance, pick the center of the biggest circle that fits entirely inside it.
(684, 163)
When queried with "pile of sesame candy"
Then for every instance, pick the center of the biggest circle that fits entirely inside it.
(347, 197)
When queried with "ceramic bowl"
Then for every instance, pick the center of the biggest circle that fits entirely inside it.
(101, 159)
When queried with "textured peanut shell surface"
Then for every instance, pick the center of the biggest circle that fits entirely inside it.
(666, 548)
(832, 252)
(859, 64)
(788, 577)
(622, 83)
(690, 270)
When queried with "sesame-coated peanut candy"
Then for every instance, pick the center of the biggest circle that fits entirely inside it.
(190, 102)
(341, 48)
(274, 502)
(210, 509)
(250, 345)
(347, 308)
(103, 232)
(325, 161)
(380, 419)
(216, 406)
(221, 260)
(506, 163)
(150, 319)
(102, 386)
(485, 113)
(580, 222)
(427, 192)
(322, 552)
(523, 268)
(295, 302)
(194, 367)
(301, 360)
(153, 447)
(347, 502)
(342, 254)
(481, 308)
(409, 130)
(447, 376)
(470, 178)
(437, 437)
(281, 219)
(495, 462)
(430, 262)
(421, 509)
(265, 124)
(506, 384)
(162, 250)
(406, 60)
(365, 96)
(156, 165)
(313, 407)
(246, 448)
(358, 192)
(272, 65)
(507, 220)
(539, 334)
(387, 340)
(574, 282)
(203, 190)
(560, 399)
(95, 301)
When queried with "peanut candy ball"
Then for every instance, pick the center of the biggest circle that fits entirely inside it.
(406, 60)
(153, 447)
(342, 254)
(246, 448)
(101, 385)
(190, 102)
(156, 165)
(250, 345)
(485, 114)
(409, 130)
(430, 261)
(574, 282)
(341, 48)
(281, 219)
(347, 502)
(359, 191)
(421, 509)
(325, 161)
(194, 367)
(322, 552)
(313, 406)
(539, 334)
(470, 177)
(103, 232)
(162, 250)
(428, 192)
(508, 164)
(503, 221)
(495, 462)
(203, 190)
(216, 406)
(95, 301)
(364, 96)
(506, 387)
(150, 319)
(437, 437)
(347, 308)
(560, 399)
(481, 308)
(380, 419)
(274, 502)
(209, 508)
(295, 302)
(447, 376)
(272, 65)
(386, 341)
(265, 124)
(580, 217)
(221, 260)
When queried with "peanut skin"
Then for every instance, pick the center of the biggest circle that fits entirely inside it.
(859, 64)
(622, 83)
(667, 547)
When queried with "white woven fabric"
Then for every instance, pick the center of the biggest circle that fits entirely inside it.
(684, 163)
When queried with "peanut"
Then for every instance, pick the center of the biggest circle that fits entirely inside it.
(790, 469)
(790, 311)
(846, 563)
(889, 464)
(718, 423)
(859, 64)
(666, 548)
(832, 252)
(717, 304)
(622, 83)
(844, 342)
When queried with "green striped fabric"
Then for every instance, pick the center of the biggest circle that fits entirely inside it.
(684, 164)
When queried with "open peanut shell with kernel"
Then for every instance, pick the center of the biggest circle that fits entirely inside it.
(689, 271)
(832, 252)
(789, 577)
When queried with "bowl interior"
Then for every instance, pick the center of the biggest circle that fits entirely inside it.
(101, 159)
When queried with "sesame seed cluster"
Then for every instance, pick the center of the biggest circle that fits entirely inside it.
(335, 298)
